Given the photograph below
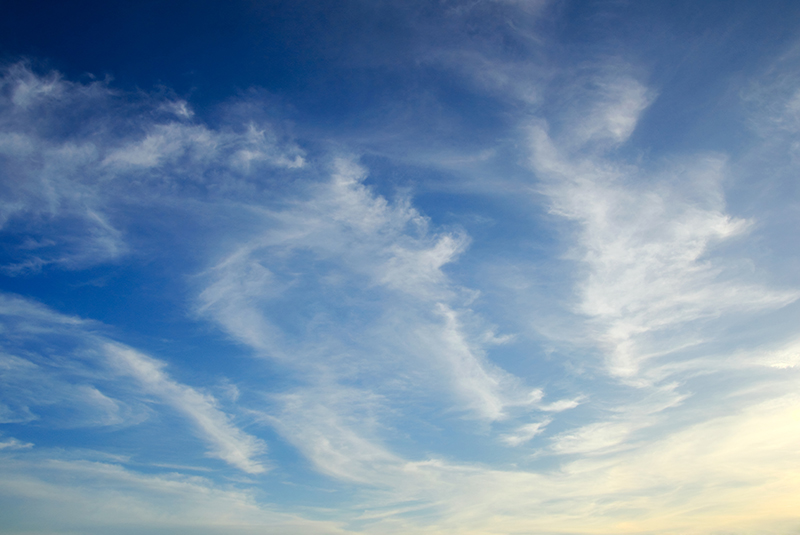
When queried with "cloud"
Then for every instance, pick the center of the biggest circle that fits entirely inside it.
(78, 157)
(485, 388)
(68, 368)
(329, 424)
(94, 497)
(230, 443)
(14, 444)
(616, 118)
(342, 247)
(787, 356)
(681, 480)
(525, 433)
(645, 246)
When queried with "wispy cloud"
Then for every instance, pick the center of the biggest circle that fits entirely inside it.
(328, 425)
(75, 155)
(646, 247)
(365, 251)
(229, 443)
(632, 488)
(14, 444)
(67, 493)
(87, 379)
(525, 433)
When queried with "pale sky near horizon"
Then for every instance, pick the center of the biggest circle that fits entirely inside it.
(430, 267)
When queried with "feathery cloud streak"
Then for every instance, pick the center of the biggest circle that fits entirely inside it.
(645, 243)
(37, 377)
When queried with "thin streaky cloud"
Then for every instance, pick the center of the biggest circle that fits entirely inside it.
(359, 236)
(645, 249)
(42, 379)
(229, 443)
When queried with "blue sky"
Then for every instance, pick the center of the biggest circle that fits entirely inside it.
(487, 267)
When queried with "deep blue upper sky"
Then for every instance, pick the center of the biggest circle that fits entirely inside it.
(335, 63)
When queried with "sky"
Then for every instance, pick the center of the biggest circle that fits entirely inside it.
(485, 267)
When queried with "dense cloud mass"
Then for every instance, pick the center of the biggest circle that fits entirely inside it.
(472, 268)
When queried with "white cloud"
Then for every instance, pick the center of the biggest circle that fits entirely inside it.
(97, 497)
(165, 143)
(78, 156)
(787, 356)
(81, 381)
(14, 444)
(596, 437)
(684, 480)
(179, 107)
(233, 296)
(616, 104)
(645, 246)
(27, 89)
(328, 424)
(230, 444)
(360, 245)
(483, 387)
(561, 405)
(525, 433)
